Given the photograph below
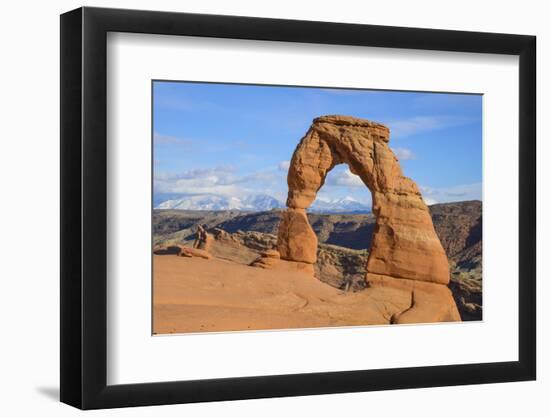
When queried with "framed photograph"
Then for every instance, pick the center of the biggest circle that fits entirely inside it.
(260, 208)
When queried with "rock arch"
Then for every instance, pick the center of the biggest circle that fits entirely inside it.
(404, 244)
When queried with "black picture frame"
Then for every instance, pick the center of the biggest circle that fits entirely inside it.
(84, 207)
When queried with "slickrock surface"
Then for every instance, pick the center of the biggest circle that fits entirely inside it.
(428, 302)
(193, 295)
(404, 243)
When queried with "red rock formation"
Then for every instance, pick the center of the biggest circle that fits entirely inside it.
(404, 243)
(296, 240)
(194, 252)
(267, 260)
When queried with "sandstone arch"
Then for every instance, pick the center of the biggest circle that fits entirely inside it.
(405, 248)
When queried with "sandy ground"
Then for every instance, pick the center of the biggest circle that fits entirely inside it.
(198, 295)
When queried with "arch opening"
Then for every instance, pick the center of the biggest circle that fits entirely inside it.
(342, 192)
(341, 218)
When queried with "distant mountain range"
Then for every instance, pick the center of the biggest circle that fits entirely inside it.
(257, 202)
(340, 205)
(207, 202)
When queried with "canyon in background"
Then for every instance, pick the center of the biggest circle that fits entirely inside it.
(241, 237)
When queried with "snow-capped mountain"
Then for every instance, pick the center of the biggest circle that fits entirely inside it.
(340, 205)
(257, 202)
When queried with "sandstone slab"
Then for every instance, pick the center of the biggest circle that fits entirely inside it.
(428, 302)
(194, 252)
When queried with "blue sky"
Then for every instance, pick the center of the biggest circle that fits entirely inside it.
(235, 140)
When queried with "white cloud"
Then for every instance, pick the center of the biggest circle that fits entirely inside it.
(404, 154)
(429, 201)
(222, 170)
(462, 192)
(197, 181)
(266, 177)
(408, 127)
(421, 124)
(344, 178)
(284, 165)
(219, 181)
(426, 190)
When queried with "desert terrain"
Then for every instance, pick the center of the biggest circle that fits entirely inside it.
(194, 294)
(229, 291)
